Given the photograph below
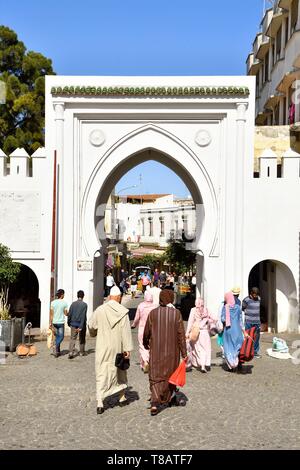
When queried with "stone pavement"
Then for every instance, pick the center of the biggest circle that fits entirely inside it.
(48, 403)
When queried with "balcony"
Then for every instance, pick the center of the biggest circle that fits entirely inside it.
(287, 80)
(263, 48)
(253, 65)
(275, 24)
(284, 4)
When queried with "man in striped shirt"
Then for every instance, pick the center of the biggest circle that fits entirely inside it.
(251, 308)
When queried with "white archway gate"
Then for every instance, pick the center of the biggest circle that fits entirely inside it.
(200, 127)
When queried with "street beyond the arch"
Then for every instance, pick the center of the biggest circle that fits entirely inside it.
(54, 402)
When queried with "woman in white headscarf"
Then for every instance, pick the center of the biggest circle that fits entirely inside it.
(198, 337)
(140, 319)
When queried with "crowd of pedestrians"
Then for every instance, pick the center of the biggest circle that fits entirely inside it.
(162, 339)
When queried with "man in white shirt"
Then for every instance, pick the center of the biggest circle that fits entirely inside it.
(155, 291)
(110, 282)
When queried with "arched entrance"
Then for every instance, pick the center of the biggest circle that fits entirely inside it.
(101, 204)
(24, 297)
(148, 143)
(278, 293)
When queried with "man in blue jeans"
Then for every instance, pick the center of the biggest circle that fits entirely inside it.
(58, 311)
(251, 308)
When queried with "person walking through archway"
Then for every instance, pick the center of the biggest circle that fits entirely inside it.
(77, 323)
(198, 337)
(164, 336)
(251, 308)
(58, 311)
(110, 323)
(233, 333)
(140, 319)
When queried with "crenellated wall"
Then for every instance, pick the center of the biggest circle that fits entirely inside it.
(26, 215)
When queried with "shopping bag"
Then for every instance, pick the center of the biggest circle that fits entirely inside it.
(179, 375)
(247, 349)
(50, 338)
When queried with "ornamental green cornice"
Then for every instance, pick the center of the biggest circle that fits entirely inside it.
(150, 91)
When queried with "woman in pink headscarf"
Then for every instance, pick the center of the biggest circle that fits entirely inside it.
(199, 344)
(140, 319)
(233, 335)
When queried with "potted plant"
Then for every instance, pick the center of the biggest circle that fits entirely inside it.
(11, 329)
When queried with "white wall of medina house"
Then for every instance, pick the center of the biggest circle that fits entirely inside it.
(198, 126)
(26, 215)
(161, 223)
(272, 228)
(275, 62)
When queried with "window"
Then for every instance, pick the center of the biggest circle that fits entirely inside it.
(294, 15)
(185, 223)
(150, 226)
(266, 68)
(286, 30)
(276, 115)
(143, 227)
(273, 54)
(278, 43)
(284, 114)
(176, 225)
(162, 226)
(257, 85)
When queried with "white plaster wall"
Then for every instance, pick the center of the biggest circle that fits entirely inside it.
(168, 125)
(39, 261)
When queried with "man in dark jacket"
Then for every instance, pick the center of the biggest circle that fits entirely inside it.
(77, 323)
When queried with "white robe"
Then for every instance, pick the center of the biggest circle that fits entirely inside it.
(111, 324)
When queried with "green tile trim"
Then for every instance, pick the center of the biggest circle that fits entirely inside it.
(150, 91)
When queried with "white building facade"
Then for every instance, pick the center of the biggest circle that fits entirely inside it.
(156, 222)
(98, 128)
(275, 62)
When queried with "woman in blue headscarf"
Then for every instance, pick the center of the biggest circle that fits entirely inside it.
(233, 334)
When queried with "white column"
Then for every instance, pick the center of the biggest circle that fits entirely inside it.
(2, 163)
(238, 216)
(59, 120)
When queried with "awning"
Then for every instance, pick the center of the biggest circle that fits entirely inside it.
(296, 62)
(287, 80)
(261, 118)
(274, 25)
(272, 101)
(254, 68)
(263, 49)
(143, 250)
(284, 4)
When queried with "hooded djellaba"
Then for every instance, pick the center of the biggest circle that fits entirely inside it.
(110, 322)
(165, 337)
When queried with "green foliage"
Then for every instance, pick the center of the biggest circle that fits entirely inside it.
(153, 261)
(22, 117)
(9, 272)
(180, 259)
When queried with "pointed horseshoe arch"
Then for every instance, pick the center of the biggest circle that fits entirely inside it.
(149, 142)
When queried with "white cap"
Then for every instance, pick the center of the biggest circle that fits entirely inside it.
(115, 291)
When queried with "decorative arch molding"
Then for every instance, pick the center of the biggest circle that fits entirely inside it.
(131, 150)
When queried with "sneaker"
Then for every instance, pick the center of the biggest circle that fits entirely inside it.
(100, 410)
(257, 356)
(71, 356)
(82, 354)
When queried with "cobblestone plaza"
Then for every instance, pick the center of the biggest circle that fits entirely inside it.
(49, 403)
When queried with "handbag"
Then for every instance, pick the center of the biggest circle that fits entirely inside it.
(178, 377)
(122, 362)
(194, 333)
(247, 350)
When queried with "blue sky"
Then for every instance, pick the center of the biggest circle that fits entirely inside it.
(138, 37)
